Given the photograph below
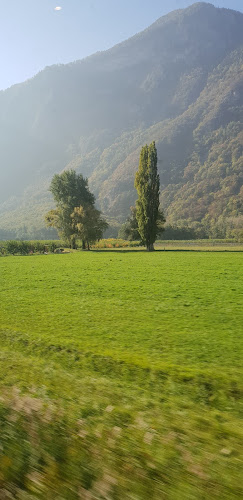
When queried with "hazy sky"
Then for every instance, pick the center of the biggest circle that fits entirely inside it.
(38, 33)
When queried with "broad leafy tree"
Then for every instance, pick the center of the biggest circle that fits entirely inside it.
(129, 230)
(70, 191)
(149, 216)
(88, 224)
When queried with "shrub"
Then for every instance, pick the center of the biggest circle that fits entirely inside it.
(12, 247)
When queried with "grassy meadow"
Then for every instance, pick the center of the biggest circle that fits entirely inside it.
(121, 375)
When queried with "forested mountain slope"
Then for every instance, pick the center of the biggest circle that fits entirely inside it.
(179, 83)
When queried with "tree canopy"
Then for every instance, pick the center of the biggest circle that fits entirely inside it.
(70, 189)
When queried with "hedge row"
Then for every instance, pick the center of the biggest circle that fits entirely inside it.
(13, 247)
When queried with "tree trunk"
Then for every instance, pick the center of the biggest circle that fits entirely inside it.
(83, 245)
(150, 247)
(73, 243)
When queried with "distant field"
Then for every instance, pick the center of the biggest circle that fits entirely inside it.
(202, 245)
(121, 375)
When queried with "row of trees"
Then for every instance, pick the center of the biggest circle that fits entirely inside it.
(76, 217)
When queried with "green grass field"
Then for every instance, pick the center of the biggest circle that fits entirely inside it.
(120, 375)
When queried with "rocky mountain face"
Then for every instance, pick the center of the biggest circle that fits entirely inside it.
(179, 82)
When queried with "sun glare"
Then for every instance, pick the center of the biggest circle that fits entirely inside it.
(58, 8)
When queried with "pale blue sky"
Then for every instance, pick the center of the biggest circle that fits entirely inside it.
(33, 35)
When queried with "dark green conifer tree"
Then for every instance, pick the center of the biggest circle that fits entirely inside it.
(150, 218)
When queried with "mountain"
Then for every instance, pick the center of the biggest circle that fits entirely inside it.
(179, 83)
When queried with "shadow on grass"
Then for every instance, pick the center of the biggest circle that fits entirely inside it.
(143, 250)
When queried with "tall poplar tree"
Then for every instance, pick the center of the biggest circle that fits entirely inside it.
(149, 217)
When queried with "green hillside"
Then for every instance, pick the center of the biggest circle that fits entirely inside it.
(179, 83)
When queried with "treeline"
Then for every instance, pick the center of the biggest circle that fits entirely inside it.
(28, 233)
(222, 228)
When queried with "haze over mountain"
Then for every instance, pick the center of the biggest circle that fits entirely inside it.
(179, 83)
